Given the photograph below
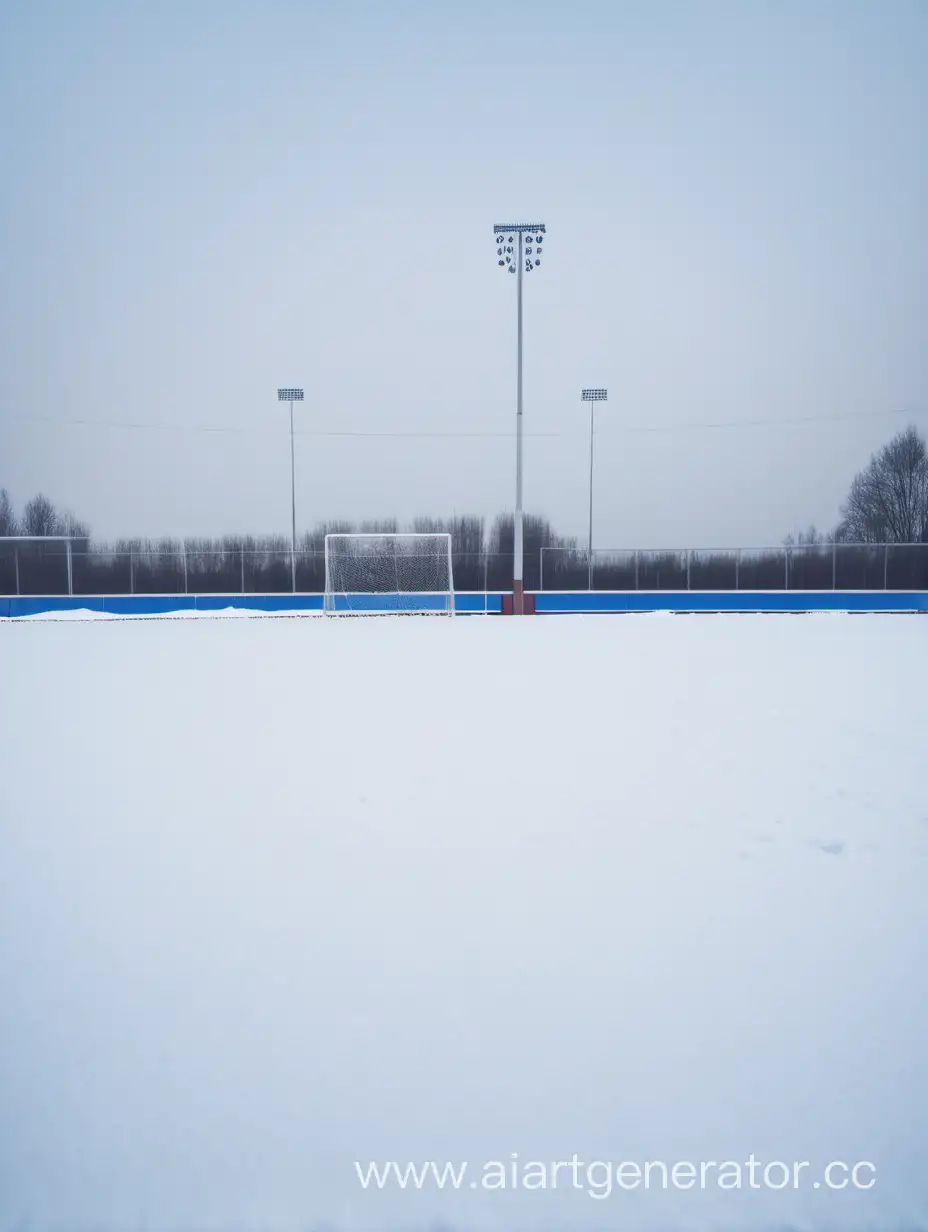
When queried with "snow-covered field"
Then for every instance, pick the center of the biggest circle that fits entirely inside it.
(277, 896)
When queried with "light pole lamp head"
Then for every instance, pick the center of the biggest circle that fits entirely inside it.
(289, 395)
(594, 395)
(505, 236)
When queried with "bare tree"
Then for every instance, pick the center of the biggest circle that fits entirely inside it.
(40, 517)
(8, 522)
(70, 524)
(888, 500)
(810, 538)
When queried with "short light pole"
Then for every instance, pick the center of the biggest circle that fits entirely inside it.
(291, 396)
(518, 247)
(592, 396)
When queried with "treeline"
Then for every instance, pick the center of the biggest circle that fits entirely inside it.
(887, 503)
(481, 557)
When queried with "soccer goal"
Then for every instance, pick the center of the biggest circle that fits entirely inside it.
(375, 574)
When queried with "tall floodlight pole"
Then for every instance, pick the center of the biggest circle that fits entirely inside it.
(592, 396)
(291, 396)
(518, 247)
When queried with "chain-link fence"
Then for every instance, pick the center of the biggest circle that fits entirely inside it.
(59, 567)
(56, 567)
(832, 566)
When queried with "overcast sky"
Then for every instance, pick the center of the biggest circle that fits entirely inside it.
(205, 200)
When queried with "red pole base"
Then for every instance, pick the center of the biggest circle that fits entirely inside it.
(518, 603)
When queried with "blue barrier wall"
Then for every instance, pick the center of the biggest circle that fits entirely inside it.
(158, 605)
(546, 602)
(551, 601)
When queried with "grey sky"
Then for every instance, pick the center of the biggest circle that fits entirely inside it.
(206, 200)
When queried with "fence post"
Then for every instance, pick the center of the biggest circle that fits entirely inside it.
(885, 566)
(486, 597)
(16, 565)
(70, 570)
(834, 565)
(184, 554)
(541, 569)
(786, 559)
(243, 568)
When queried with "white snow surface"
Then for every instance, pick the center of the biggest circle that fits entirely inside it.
(84, 614)
(277, 896)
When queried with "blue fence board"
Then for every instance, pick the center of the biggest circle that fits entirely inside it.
(259, 603)
(38, 605)
(467, 601)
(732, 601)
(148, 605)
(546, 602)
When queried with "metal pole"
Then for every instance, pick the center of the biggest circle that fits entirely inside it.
(131, 575)
(16, 566)
(689, 553)
(292, 507)
(590, 536)
(738, 570)
(185, 567)
(885, 565)
(517, 603)
(70, 570)
(786, 559)
(834, 565)
(636, 569)
(243, 568)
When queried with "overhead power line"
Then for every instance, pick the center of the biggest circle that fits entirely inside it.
(238, 430)
(416, 434)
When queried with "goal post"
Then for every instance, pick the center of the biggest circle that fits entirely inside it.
(381, 573)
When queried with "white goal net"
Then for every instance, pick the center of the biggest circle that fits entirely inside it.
(389, 573)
